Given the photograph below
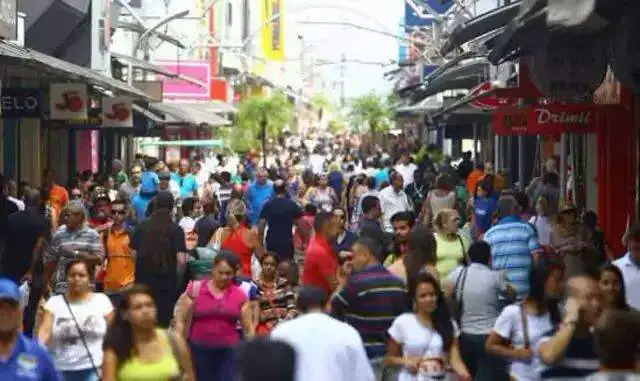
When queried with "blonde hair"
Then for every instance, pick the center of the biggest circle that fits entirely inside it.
(236, 212)
(442, 216)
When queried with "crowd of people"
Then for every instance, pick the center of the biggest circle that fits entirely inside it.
(315, 266)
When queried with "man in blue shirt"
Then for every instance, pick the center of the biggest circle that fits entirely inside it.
(21, 358)
(258, 193)
(186, 181)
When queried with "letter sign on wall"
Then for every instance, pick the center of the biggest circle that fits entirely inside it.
(68, 101)
(570, 66)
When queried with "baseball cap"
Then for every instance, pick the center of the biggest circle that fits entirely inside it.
(9, 290)
(100, 196)
(164, 175)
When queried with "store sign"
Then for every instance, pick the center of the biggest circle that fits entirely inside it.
(625, 52)
(68, 101)
(21, 103)
(491, 101)
(570, 66)
(546, 120)
(117, 112)
(8, 19)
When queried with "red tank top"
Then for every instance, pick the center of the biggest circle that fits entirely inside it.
(235, 243)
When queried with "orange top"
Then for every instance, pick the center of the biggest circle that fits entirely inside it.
(58, 197)
(472, 181)
(121, 266)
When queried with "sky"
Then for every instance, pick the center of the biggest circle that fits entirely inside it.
(329, 42)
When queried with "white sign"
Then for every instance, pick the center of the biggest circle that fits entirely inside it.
(625, 52)
(68, 101)
(545, 116)
(117, 112)
(570, 66)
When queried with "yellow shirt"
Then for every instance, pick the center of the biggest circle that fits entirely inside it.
(166, 369)
(449, 253)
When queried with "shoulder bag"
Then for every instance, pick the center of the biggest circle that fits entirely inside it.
(457, 296)
(84, 341)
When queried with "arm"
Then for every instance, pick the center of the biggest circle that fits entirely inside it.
(291, 303)
(458, 365)
(35, 256)
(183, 308)
(184, 359)
(46, 328)
(261, 228)
(95, 252)
(247, 318)
(110, 317)
(499, 346)
(553, 349)
(109, 366)
(394, 357)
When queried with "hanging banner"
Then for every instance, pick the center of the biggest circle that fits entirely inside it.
(117, 112)
(273, 15)
(547, 120)
(625, 51)
(570, 65)
(493, 100)
(68, 101)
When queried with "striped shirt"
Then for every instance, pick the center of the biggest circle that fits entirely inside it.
(512, 243)
(84, 239)
(369, 302)
(579, 361)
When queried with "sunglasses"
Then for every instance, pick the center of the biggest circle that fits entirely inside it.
(76, 195)
(120, 212)
(340, 216)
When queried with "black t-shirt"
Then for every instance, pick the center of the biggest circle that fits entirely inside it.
(139, 240)
(23, 230)
(280, 214)
(205, 227)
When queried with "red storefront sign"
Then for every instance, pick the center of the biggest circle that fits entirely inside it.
(494, 99)
(553, 119)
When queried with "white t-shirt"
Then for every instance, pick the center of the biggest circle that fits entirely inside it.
(317, 163)
(392, 202)
(631, 275)
(509, 326)
(326, 348)
(407, 172)
(66, 347)
(187, 224)
(417, 339)
(543, 226)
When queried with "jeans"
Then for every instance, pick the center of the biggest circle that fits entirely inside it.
(481, 365)
(384, 372)
(79, 375)
(213, 363)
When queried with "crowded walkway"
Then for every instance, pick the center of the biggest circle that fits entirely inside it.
(311, 264)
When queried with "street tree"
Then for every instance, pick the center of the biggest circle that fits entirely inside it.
(370, 112)
(274, 111)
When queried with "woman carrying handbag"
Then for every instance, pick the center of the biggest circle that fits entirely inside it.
(74, 325)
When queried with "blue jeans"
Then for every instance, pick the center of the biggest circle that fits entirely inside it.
(213, 363)
(482, 365)
(79, 375)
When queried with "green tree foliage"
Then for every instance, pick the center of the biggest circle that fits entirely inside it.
(372, 111)
(275, 109)
(321, 104)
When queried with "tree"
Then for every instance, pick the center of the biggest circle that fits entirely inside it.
(370, 110)
(275, 110)
(321, 104)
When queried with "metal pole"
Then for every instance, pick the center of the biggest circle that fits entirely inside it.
(133, 55)
(521, 160)
(475, 142)
(496, 153)
(343, 60)
(263, 140)
(563, 167)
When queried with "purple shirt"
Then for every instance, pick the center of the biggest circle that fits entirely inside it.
(215, 317)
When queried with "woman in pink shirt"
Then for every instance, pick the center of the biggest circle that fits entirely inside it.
(207, 314)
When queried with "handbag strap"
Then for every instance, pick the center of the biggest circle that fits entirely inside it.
(525, 327)
(84, 341)
(459, 296)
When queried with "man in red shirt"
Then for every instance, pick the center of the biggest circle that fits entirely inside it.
(320, 262)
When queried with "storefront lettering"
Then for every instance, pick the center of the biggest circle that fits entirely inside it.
(515, 123)
(9, 102)
(545, 116)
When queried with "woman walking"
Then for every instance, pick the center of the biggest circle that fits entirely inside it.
(424, 343)
(74, 325)
(276, 300)
(207, 315)
(136, 349)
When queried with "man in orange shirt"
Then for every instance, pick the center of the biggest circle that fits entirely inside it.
(58, 196)
(120, 270)
(320, 261)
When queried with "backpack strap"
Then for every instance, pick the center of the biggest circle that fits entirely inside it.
(525, 327)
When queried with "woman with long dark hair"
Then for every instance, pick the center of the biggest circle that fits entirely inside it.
(520, 327)
(611, 284)
(420, 256)
(135, 349)
(160, 248)
(423, 343)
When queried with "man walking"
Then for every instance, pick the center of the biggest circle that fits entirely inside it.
(279, 215)
(326, 348)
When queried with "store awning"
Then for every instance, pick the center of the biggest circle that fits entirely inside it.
(148, 114)
(65, 69)
(480, 26)
(464, 76)
(185, 143)
(195, 114)
(150, 67)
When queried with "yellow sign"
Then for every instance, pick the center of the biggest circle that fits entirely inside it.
(272, 11)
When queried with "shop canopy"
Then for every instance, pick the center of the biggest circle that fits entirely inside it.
(186, 143)
(64, 69)
(195, 114)
(157, 69)
(466, 75)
